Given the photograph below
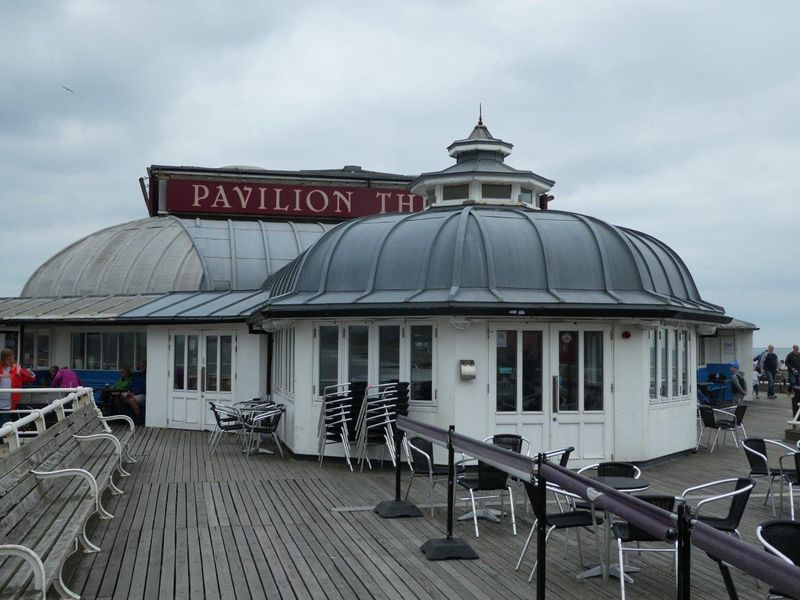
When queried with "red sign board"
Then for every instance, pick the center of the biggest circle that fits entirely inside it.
(285, 199)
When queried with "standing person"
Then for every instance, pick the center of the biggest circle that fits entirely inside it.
(756, 382)
(11, 376)
(64, 378)
(770, 367)
(792, 363)
(738, 383)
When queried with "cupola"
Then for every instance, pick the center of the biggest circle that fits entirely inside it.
(481, 176)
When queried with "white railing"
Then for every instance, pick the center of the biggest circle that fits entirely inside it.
(77, 397)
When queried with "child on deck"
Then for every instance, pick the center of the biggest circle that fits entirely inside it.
(756, 381)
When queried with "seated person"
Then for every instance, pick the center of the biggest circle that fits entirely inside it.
(64, 378)
(123, 384)
(135, 397)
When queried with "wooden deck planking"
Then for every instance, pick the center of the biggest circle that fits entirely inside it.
(232, 526)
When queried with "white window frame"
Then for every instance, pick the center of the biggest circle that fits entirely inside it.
(36, 332)
(137, 359)
(373, 350)
(673, 383)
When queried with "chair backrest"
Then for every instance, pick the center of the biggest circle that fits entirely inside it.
(707, 415)
(491, 478)
(739, 501)
(755, 449)
(738, 413)
(667, 503)
(508, 441)
(783, 537)
(616, 469)
(419, 448)
(562, 453)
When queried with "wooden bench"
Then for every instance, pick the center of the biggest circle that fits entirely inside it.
(49, 489)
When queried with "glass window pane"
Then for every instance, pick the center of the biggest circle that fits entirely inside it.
(651, 338)
(110, 353)
(456, 192)
(192, 366)
(141, 347)
(388, 353)
(593, 370)
(567, 370)
(93, 351)
(127, 350)
(421, 387)
(673, 345)
(663, 353)
(43, 350)
(178, 365)
(357, 353)
(26, 360)
(211, 363)
(496, 190)
(78, 341)
(532, 370)
(328, 357)
(506, 373)
(225, 360)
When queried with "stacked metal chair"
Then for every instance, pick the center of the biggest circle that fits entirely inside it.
(374, 426)
(335, 417)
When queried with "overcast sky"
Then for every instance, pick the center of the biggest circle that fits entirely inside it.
(676, 118)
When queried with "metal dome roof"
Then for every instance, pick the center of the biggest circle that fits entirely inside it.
(169, 254)
(488, 259)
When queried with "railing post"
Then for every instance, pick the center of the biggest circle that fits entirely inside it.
(451, 481)
(449, 547)
(540, 510)
(394, 509)
(684, 552)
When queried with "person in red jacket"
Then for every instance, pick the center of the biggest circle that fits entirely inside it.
(11, 376)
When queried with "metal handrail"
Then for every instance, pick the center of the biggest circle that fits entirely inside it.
(79, 396)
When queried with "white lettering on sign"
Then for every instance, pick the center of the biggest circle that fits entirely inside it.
(311, 206)
(278, 205)
(239, 198)
(408, 203)
(243, 200)
(197, 196)
(221, 198)
(341, 198)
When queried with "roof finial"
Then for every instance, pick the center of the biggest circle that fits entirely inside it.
(480, 113)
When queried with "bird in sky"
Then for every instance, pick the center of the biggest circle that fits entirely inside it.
(69, 90)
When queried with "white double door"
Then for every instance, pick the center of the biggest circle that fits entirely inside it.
(551, 383)
(202, 370)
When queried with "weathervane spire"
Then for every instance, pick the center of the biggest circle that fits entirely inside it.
(480, 113)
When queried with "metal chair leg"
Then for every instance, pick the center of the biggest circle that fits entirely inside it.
(474, 513)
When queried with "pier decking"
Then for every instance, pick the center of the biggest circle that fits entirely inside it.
(195, 526)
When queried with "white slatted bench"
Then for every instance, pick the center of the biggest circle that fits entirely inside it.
(49, 489)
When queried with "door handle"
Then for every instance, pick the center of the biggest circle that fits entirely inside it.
(555, 394)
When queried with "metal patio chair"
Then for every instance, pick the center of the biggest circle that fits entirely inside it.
(739, 497)
(488, 479)
(420, 453)
(562, 521)
(710, 423)
(228, 420)
(791, 477)
(626, 533)
(755, 449)
(736, 420)
(264, 424)
(781, 538)
(613, 469)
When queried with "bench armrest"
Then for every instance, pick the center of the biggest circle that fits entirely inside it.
(31, 558)
(120, 418)
(88, 477)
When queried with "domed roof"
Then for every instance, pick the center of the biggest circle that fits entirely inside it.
(169, 254)
(488, 260)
